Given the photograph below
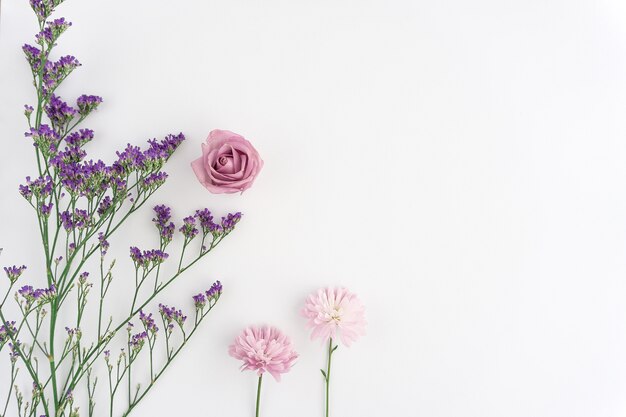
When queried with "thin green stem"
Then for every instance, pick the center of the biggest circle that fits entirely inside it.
(330, 356)
(258, 394)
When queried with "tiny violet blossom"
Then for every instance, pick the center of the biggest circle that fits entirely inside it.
(170, 316)
(263, 349)
(14, 272)
(188, 228)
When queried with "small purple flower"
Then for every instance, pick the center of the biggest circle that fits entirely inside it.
(46, 209)
(137, 341)
(188, 228)
(40, 188)
(163, 223)
(199, 300)
(79, 138)
(155, 180)
(40, 295)
(104, 244)
(147, 258)
(160, 151)
(14, 272)
(230, 221)
(86, 104)
(55, 72)
(28, 110)
(206, 222)
(44, 138)
(79, 219)
(215, 291)
(105, 205)
(6, 331)
(148, 322)
(33, 56)
(170, 316)
(59, 113)
(52, 31)
(73, 331)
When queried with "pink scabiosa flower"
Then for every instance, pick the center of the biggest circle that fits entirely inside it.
(263, 349)
(334, 313)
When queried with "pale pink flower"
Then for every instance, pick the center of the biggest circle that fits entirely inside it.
(264, 349)
(333, 312)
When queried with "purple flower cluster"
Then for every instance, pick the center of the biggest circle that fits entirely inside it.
(230, 221)
(170, 316)
(40, 188)
(46, 209)
(33, 56)
(14, 272)
(40, 295)
(147, 258)
(209, 226)
(188, 229)
(28, 110)
(137, 341)
(104, 244)
(6, 330)
(163, 223)
(79, 219)
(60, 113)
(209, 296)
(132, 158)
(52, 31)
(148, 322)
(44, 138)
(87, 103)
(79, 138)
(55, 72)
(154, 180)
(44, 8)
(206, 221)
(73, 331)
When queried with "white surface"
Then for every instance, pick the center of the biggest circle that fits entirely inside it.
(460, 165)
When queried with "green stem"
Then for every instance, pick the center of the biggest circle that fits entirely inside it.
(258, 394)
(330, 356)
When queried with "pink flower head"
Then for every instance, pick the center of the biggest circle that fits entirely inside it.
(333, 312)
(229, 163)
(264, 349)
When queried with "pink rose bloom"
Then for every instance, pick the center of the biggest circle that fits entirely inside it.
(333, 312)
(229, 163)
(264, 349)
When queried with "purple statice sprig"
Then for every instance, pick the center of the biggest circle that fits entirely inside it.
(44, 8)
(41, 296)
(60, 114)
(166, 228)
(189, 229)
(171, 316)
(147, 258)
(44, 138)
(7, 332)
(204, 301)
(87, 103)
(148, 322)
(136, 342)
(14, 272)
(52, 31)
(54, 73)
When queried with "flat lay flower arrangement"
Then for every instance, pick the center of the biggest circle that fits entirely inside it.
(59, 365)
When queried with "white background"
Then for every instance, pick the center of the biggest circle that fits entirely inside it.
(460, 165)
